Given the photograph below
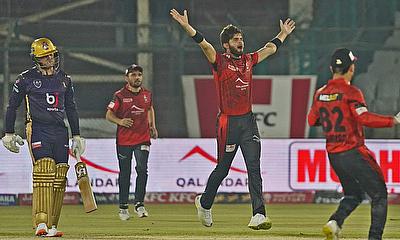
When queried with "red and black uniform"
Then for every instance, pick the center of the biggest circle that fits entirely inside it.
(132, 140)
(340, 109)
(236, 126)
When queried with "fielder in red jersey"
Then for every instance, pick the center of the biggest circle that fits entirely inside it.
(132, 110)
(236, 124)
(340, 109)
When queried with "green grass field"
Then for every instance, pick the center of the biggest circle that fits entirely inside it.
(303, 221)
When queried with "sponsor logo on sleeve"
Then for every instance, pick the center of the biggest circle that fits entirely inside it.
(361, 110)
(111, 105)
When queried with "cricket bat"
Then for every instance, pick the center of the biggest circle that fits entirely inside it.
(89, 202)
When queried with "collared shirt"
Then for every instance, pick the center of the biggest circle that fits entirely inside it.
(234, 80)
(340, 109)
(127, 104)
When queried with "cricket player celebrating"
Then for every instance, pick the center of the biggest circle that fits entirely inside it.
(340, 109)
(236, 124)
(48, 95)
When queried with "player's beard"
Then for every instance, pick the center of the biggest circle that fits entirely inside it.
(136, 84)
(235, 52)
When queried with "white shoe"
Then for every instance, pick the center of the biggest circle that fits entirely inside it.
(203, 214)
(331, 230)
(124, 214)
(141, 212)
(53, 232)
(260, 221)
(41, 229)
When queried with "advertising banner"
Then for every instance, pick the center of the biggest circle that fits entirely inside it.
(280, 104)
(183, 165)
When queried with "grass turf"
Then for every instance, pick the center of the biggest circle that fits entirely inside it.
(300, 221)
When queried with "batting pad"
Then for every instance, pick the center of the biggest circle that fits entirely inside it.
(43, 182)
(59, 189)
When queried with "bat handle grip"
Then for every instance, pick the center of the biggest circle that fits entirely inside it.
(78, 156)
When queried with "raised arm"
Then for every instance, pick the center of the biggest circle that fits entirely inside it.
(272, 46)
(205, 46)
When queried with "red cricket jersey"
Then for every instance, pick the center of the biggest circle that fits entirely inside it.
(341, 110)
(127, 104)
(233, 80)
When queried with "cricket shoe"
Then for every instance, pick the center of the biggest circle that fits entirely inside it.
(203, 214)
(141, 211)
(331, 230)
(53, 232)
(124, 214)
(259, 221)
(41, 229)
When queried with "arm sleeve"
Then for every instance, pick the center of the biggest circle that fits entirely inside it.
(254, 58)
(151, 99)
(359, 109)
(114, 104)
(17, 95)
(215, 66)
(313, 115)
(70, 109)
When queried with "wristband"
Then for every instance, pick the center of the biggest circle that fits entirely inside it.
(198, 37)
(277, 42)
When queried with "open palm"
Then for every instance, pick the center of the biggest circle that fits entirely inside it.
(181, 19)
(288, 26)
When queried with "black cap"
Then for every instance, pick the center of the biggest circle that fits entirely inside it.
(132, 68)
(342, 58)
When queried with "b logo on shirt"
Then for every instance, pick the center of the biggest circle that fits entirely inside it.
(52, 99)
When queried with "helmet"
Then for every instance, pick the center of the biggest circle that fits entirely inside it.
(43, 47)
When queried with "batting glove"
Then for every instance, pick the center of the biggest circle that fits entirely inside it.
(10, 141)
(78, 144)
(397, 118)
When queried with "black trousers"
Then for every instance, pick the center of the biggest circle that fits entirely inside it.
(125, 153)
(359, 173)
(234, 132)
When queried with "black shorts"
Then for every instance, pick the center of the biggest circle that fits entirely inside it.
(48, 141)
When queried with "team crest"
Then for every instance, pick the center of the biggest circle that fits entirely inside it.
(37, 83)
(145, 98)
(45, 46)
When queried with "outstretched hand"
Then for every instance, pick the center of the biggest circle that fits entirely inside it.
(288, 26)
(181, 19)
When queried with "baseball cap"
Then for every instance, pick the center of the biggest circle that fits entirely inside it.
(133, 67)
(342, 58)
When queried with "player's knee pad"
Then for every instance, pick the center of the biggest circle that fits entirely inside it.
(43, 183)
(59, 190)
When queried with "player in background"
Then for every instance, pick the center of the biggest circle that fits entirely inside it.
(132, 110)
(236, 124)
(340, 109)
(48, 95)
